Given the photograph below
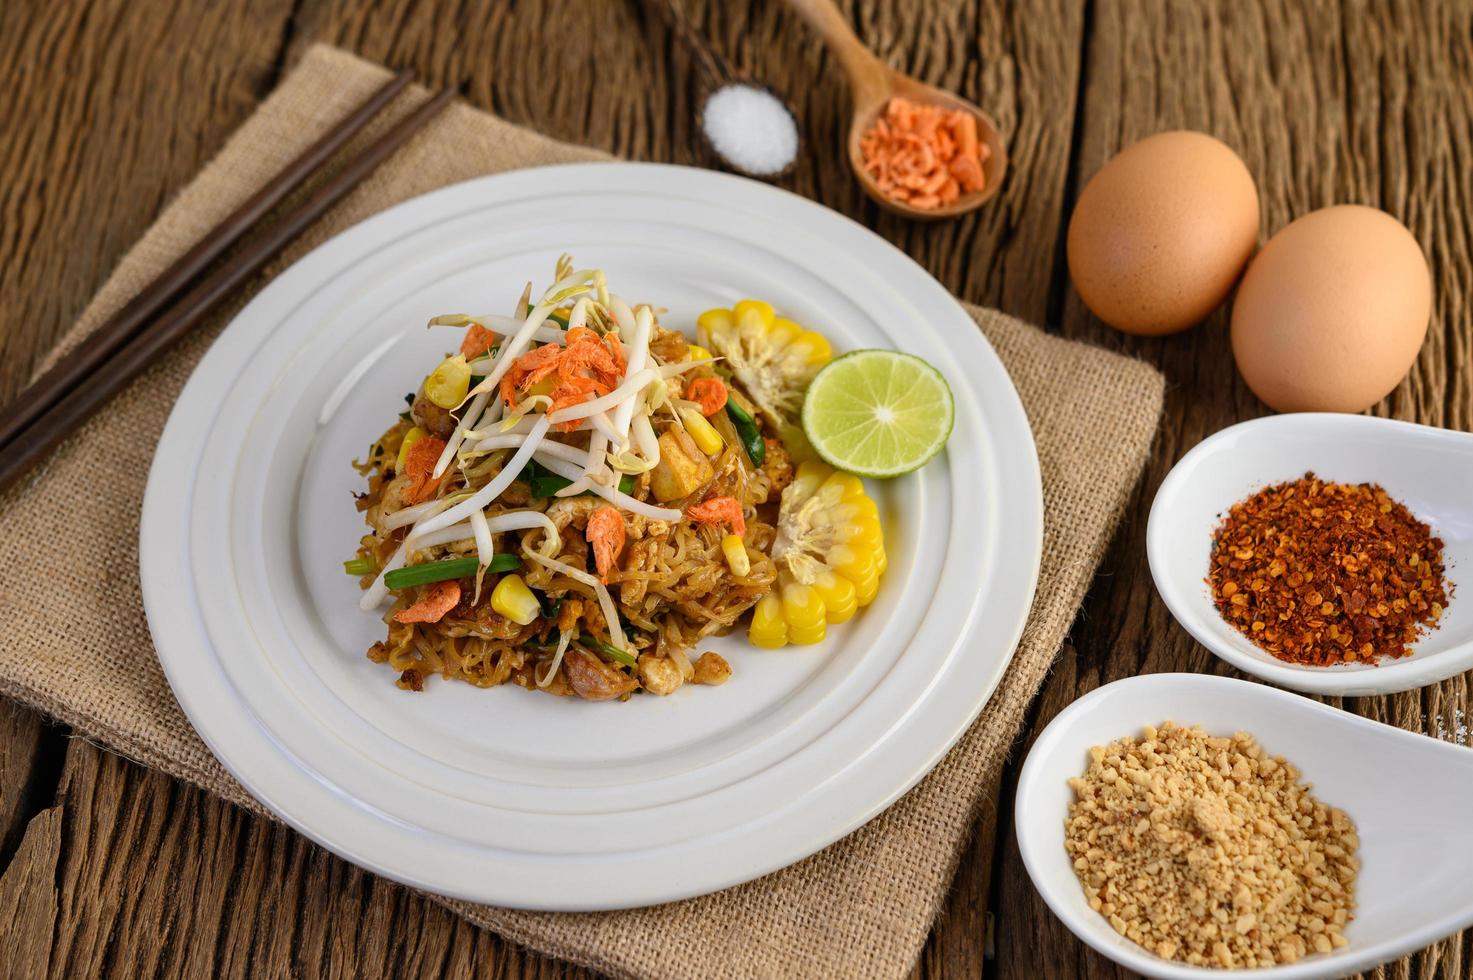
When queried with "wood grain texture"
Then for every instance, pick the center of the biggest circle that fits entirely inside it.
(109, 107)
(28, 903)
(1355, 103)
(26, 773)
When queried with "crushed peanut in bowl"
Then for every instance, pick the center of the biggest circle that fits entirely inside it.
(1210, 851)
(1322, 573)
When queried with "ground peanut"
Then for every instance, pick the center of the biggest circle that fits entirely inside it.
(1210, 851)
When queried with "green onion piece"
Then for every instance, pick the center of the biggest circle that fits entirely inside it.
(434, 571)
(541, 483)
(607, 649)
(747, 431)
(444, 571)
(504, 562)
(360, 567)
(546, 486)
(477, 379)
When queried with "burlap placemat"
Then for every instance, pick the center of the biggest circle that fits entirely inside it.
(78, 646)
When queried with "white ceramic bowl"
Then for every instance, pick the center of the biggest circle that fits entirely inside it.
(1408, 794)
(1430, 470)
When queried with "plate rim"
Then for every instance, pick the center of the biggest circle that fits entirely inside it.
(159, 511)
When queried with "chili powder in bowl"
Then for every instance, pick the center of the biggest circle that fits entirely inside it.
(1325, 573)
(1388, 492)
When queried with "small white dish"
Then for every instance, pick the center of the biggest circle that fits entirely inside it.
(1408, 794)
(1429, 470)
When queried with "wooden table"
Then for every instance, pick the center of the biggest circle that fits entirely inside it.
(108, 107)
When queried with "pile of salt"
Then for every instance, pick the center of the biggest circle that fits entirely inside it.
(751, 129)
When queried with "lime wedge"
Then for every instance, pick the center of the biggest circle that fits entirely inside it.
(878, 412)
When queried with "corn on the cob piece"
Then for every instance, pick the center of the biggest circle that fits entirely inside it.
(830, 555)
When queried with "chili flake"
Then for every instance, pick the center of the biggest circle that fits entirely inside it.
(1326, 573)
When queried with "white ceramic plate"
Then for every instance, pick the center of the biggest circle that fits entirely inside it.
(524, 800)
(1430, 470)
(1409, 796)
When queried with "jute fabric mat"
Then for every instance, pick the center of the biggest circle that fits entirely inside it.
(79, 646)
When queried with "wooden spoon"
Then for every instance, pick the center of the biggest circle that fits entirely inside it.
(872, 83)
(715, 73)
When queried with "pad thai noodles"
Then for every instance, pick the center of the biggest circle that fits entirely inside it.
(579, 496)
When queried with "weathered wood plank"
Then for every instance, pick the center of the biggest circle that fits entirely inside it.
(1365, 103)
(262, 900)
(25, 772)
(1366, 100)
(161, 879)
(98, 134)
(108, 108)
(28, 902)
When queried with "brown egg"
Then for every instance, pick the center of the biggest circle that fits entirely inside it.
(1332, 312)
(1162, 232)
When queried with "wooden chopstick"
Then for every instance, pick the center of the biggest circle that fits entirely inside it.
(140, 353)
(105, 341)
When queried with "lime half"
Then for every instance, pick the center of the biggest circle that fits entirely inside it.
(878, 412)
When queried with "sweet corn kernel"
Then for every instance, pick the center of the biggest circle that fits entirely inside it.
(863, 532)
(840, 599)
(813, 348)
(769, 629)
(807, 635)
(802, 607)
(736, 555)
(699, 353)
(410, 438)
(882, 560)
(715, 321)
(856, 509)
(707, 439)
(850, 487)
(851, 562)
(447, 384)
(866, 588)
(773, 642)
(512, 599)
(783, 331)
(809, 477)
(752, 313)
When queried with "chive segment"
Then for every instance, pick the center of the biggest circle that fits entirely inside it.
(747, 431)
(607, 649)
(443, 571)
(541, 483)
(360, 567)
